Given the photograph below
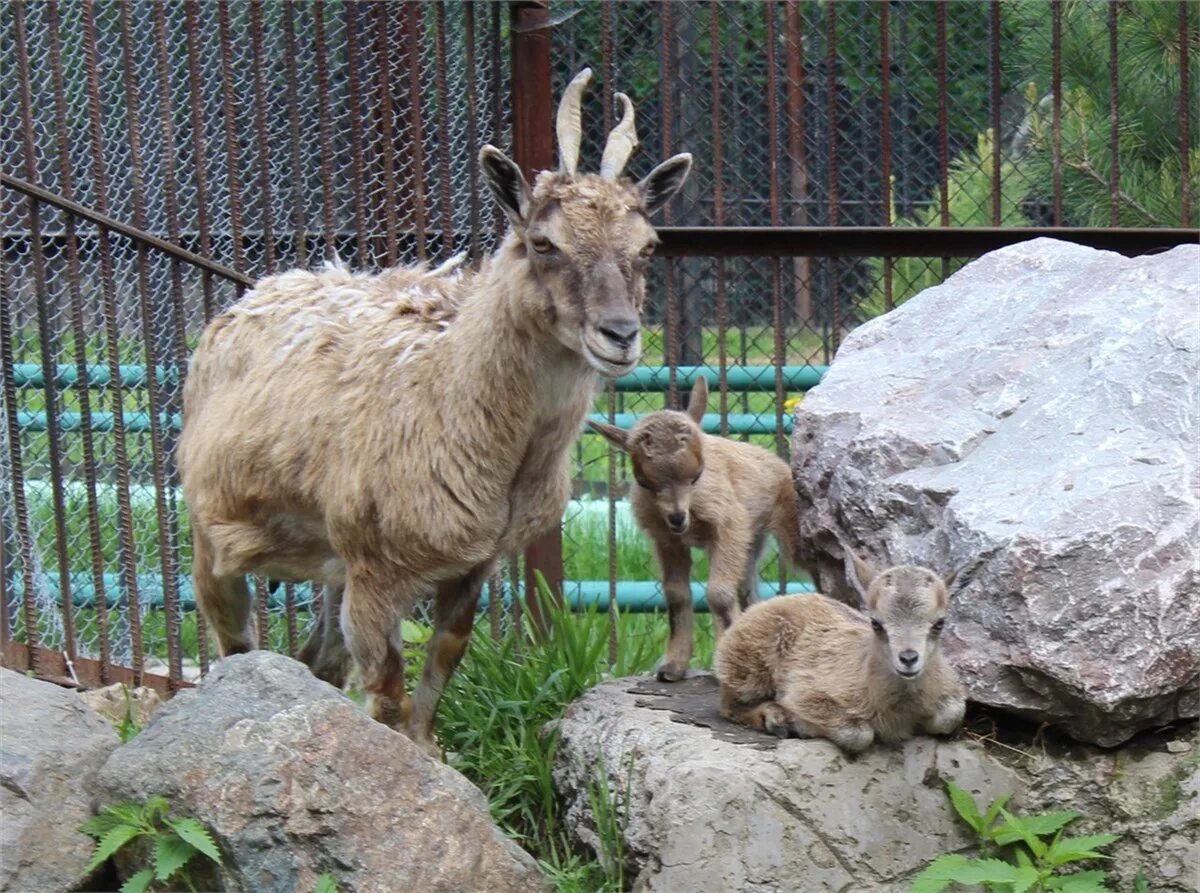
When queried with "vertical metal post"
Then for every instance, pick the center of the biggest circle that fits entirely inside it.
(533, 148)
(1114, 114)
(798, 156)
(1185, 118)
(885, 144)
(1056, 108)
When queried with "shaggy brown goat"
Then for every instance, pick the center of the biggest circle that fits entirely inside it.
(813, 667)
(391, 435)
(693, 490)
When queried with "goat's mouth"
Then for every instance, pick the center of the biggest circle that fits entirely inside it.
(607, 360)
(909, 672)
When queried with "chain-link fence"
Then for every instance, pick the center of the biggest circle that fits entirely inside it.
(251, 137)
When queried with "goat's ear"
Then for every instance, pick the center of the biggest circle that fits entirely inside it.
(664, 181)
(618, 437)
(860, 575)
(698, 401)
(948, 580)
(506, 182)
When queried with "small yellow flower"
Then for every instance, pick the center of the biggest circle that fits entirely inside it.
(792, 404)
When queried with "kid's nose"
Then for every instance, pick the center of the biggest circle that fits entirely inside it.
(677, 520)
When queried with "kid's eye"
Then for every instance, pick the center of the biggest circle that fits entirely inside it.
(542, 245)
(697, 477)
(937, 627)
(877, 626)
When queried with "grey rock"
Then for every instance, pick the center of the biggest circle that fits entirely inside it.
(294, 780)
(704, 805)
(51, 747)
(1032, 420)
(121, 703)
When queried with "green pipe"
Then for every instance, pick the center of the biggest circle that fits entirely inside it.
(633, 596)
(138, 422)
(31, 375)
(643, 378)
(737, 378)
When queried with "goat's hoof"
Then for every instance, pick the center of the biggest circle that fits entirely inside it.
(671, 672)
(775, 720)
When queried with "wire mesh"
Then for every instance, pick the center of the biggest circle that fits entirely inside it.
(270, 135)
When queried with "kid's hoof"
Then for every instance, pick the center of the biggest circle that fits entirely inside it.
(671, 672)
(775, 721)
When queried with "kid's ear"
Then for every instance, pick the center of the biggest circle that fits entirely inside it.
(664, 181)
(698, 401)
(860, 573)
(948, 580)
(618, 437)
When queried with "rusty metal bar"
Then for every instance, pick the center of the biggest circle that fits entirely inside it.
(412, 32)
(672, 336)
(171, 607)
(166, 551)
(232, 160)
(104, 221)
(499, 224)
(196, 100)
(299, 215)
(45, 336)
(326, 128)
(718, 152)
(943, 125)
(994, 75)
(835, 302)
(883, 241)
(16, 463)
(779, 348)
(1185, 118)
(113, 348)
(358, 157)
(608, 68)
(82, 672)
(443, 130)
(533, 150)
(386, 122)
(74, 275)
(885, 140)
(260, 134)
(474, 246)
(1114, 113)
(1056, 108)
(798, 156)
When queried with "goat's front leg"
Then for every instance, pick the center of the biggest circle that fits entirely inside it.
(675, 559)
(727, 559)
(453, 617)
(372, 607)
(946, 717)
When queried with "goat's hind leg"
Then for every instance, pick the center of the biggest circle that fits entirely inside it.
(453, 618)
(766, 716)
(325, 652)
(224, 600)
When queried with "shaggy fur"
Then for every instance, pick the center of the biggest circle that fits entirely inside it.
(813, 667)
(391, 435)
(693, 490)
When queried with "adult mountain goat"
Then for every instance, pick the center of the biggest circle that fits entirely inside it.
(391, 435)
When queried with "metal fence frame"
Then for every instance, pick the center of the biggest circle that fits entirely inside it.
(532, 76)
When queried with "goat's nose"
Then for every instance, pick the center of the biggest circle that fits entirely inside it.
(621, 331)
(909, 658)
(676, 520)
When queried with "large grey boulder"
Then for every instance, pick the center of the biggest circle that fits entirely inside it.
(51, 746)
(701, 804)
(1033, 420)
(294, 781)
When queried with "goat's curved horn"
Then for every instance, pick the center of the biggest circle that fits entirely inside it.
(621, 142)
(569, 124)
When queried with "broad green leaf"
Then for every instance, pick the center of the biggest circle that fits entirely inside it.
(1083, 882)
(111, 842)
(1033, 826)
(156, 807)
(112, 816)
(1140, 884)
(326, 884)
(989, 871)
(939, 874)
(964, 805)
(1073, 849)
(170, 854)
(197, 835)
(1027, 876)
(139, 882)
(414, 632)
(994, 810)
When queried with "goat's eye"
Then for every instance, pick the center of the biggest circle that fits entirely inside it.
(877, 626)
(542, 245)
(697, 477)
(647, 251)
(938, 626)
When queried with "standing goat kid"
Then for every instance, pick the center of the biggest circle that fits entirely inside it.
(693, 490)
(391, 435)
(810, 666)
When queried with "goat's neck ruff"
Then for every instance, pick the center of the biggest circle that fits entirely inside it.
(888, 688)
